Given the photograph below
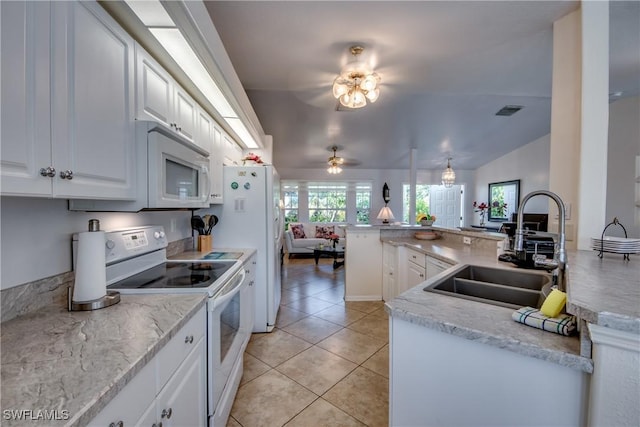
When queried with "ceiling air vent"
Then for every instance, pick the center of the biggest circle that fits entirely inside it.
(509, 110)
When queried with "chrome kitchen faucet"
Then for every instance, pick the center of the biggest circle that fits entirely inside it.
(559, 262)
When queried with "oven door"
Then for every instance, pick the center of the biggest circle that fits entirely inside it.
(229, 330)
(178, 173)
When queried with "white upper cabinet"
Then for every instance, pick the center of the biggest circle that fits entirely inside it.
(216, 163)
(160, 98)
(89, 151)
(26, 120)
(93, 132)
(232, 152)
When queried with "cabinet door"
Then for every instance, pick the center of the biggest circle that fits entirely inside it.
(232, 152)
(389, 267)
(363, 265)
(25, 131)
(216, 163)
(204, 131)
(182, 402)
(415, 275)
(154, 90)
(92, 120)
(185, 114)
(128, 405)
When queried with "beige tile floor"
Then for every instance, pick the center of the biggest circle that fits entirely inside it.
(325, 364)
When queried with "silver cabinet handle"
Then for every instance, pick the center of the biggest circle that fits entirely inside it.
(188, 339)
(166, 413)
(66, 174)
(49, 171)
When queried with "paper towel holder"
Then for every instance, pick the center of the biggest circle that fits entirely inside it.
(111, 297)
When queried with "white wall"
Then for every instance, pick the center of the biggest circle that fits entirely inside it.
(624, 146)
(35, 235)
(529, 164)
(393, 177)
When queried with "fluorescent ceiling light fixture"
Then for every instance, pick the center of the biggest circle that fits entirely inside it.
(243, 133)
(157, 20)
(178, 47)
(151, 13)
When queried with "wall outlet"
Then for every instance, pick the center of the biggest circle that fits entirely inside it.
(466, 240)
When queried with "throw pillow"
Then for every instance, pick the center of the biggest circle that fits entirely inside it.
(297, 230)
(324, 231)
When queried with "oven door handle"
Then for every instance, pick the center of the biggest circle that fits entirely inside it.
(226, 294)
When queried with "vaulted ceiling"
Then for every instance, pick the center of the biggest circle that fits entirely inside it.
(446, 67)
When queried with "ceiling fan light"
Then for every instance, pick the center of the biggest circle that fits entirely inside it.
(359, 99)
(334, 169)
(357, 83)
(345, 99)
(369, 83)
(339, 88)
(372, 95)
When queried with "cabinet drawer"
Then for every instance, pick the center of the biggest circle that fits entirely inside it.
(131, 401)
(170, 357)
(417, 258)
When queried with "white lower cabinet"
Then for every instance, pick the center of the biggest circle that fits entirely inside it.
(170, 390)
(182, 402)
(415, 269)
(435, 266)
(389, 271)
(438, 379)
(363, 268)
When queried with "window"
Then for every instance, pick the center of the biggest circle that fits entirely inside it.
(290, 192)
(422, 200)
(363, 203)
(327, 202)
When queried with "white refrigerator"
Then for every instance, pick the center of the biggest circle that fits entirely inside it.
(251, 216)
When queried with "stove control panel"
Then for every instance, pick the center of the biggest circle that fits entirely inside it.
(130, 242)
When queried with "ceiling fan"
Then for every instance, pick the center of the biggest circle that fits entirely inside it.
(335, 162)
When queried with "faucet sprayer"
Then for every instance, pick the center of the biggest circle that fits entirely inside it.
(559, 261)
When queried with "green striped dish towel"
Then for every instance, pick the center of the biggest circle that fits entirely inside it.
(564, 324)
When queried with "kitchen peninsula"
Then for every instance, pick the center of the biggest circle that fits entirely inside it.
(432, 334)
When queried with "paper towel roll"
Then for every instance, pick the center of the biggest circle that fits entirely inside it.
(91, 277)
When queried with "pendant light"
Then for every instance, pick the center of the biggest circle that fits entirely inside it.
(448, 175)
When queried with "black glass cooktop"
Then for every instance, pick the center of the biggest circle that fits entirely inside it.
(176, 275)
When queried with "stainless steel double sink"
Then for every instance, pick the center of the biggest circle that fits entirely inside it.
(510, 288)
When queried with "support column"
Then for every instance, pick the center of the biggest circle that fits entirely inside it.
(595, 121)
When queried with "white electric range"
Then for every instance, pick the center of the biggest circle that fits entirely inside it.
(137, 263)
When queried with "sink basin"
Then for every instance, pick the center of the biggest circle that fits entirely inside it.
(504, 287)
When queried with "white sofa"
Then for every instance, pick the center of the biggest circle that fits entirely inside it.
(301, 245)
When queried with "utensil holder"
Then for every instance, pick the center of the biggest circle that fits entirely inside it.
(205, 243)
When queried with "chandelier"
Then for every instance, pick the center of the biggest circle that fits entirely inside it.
(448, 175)
(356, 83)
(335, 162)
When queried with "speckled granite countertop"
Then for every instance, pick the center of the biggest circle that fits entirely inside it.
(486, 323)
(53, 359)
(605, 291)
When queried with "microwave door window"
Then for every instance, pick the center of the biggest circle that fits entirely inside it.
(181, 181)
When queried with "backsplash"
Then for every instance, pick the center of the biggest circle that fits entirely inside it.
(52, 290)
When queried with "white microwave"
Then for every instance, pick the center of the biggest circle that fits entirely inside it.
(171, 173)
(178, 174)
